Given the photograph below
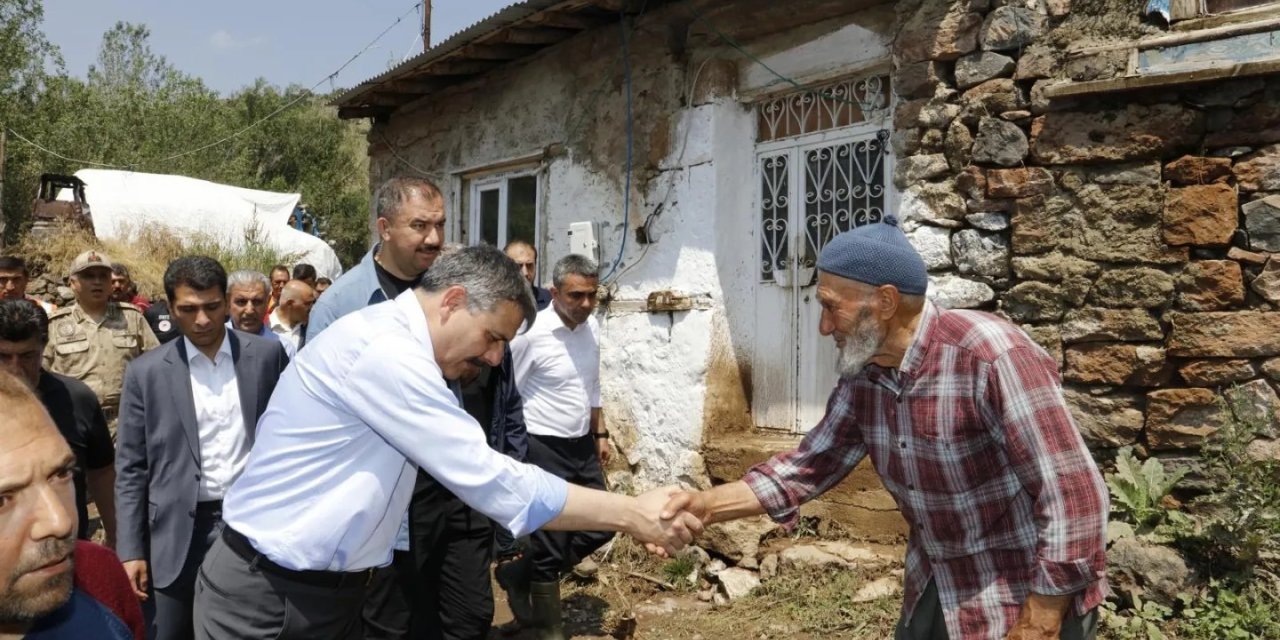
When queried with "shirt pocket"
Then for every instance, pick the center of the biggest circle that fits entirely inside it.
(956, 455)
(124, 341)
(71, 348)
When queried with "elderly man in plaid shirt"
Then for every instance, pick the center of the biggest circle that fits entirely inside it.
(964, 419)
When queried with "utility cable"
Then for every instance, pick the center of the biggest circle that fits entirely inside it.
(626, 190)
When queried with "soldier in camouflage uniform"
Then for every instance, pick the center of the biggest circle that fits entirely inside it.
(93, 339)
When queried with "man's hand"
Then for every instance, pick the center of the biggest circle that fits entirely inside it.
(694, 502)
(664, 536)
(139, 577)
(1041, 618)
(603, 451)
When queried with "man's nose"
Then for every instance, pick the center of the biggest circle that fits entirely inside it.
(52, 518)
(493, 357)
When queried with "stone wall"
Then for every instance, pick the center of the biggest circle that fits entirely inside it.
(1130, 234)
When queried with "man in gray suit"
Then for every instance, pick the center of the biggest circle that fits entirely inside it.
(187, 417)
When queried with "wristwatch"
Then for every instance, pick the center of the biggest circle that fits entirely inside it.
(601, 435)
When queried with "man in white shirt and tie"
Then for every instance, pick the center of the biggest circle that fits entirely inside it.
(289, 319)
(557, 369)
(187, 416)
(362, 407)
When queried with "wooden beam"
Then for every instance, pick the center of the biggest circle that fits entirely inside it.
(503, 52)
(420, 86)
(536, 35)
(1184, 38)
(353, 113)
(561, 20)
(1130, 83)
(457, 68)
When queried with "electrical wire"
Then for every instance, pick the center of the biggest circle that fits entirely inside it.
(301, 96)
(626, 191)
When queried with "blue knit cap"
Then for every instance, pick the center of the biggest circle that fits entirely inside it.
(876, 254)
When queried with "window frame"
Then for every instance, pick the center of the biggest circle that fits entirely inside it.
(500, 181)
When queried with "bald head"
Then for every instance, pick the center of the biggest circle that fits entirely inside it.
(38, 522)
(525, 256)
(296, 299)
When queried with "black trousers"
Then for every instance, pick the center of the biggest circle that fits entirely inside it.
(173, 603)
(239, 596)
(440, 589)
(551, 553)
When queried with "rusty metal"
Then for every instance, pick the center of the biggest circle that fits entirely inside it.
(48, 214)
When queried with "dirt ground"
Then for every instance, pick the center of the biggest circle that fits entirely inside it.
(800, 604)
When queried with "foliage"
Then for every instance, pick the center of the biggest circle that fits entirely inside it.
(822, 603)
(1144, 622)
(1228, 612)
(677, 570)
(1138, 492)
(136, 109)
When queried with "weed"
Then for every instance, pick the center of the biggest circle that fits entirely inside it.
(1144, 622)
(1138, 492)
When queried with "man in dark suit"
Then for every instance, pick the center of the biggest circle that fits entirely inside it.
(187, 419)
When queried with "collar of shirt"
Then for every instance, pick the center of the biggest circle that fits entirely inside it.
(224, 349)
(263, 331)
(278, 325)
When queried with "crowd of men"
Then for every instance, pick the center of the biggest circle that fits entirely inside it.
(356, 468)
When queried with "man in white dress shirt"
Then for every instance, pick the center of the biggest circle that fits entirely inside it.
(187, 416)
(338, 450)
(289, 320)
(557, 369)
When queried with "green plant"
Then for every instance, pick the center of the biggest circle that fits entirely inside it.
(678, 569)
(1138, 491)
(1144, 622)
(1231, 612)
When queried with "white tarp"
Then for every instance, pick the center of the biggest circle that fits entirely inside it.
(123, 202)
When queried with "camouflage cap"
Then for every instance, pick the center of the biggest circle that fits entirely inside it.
(89, 260)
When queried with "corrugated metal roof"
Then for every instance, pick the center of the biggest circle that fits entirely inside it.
(555, 20)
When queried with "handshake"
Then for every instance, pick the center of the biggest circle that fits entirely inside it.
(668, 518)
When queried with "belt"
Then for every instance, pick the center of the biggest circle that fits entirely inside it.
(241, 546)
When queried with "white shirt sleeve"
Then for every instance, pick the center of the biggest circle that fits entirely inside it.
(521, 361)
(397, 389)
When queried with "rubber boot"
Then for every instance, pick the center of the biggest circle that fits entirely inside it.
(513, 577)
(545, 598)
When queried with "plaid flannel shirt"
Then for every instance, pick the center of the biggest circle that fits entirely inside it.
(973, 439)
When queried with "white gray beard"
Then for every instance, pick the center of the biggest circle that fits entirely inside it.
(858, 349)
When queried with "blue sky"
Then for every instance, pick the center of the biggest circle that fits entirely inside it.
(230, 43)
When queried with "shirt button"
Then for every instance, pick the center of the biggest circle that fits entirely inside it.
(912, 487)
(197, 476)
(902, 443)
(192, 513)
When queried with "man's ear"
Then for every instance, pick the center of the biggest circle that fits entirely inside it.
(453, 299)
(383, 224)
(890, 300)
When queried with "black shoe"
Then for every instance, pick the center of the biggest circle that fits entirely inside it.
(513, 577)
(545, 598)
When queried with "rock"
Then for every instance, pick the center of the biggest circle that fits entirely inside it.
(954, 292)
(1110, 325)
(881, 588)
(1136, 287)
(1017, 116)
(1181, 418)
(664, 607)
(918, 79)
(1018, 183)
(1053, 267)
(1103, 223)
(978, 67)
(993, 97)
(958, 146)
(988, 221)
(1260, 170)
(1003, 206)
(934, 246)
(1133, 132)
(1034, 302)
(826, 554)
(1262, 220)
(1267, 284)
(1203, 215)
(737, 539)
(905, 142)
(1256, 405)
(1114, 364)
(914, 169)
(1271, 369)
(1248, 257)
(714, 568)
(1209, 285)
(937, 31)
(1036, 61)
(928, 113)
(1191, 170)
(1152, 572)
(981, 253)
(1107, 421)
(1058, 8)
(934, 203)
(769, 567)
(1010, 27)
(737, 583)
(1222, 334)
(1214, 373)
(1000, 143)
(931, 139)
(1129, 173)
(972, 182)
(1264, 449)
(1048, 337)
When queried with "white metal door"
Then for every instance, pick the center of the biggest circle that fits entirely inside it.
(811, 189)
